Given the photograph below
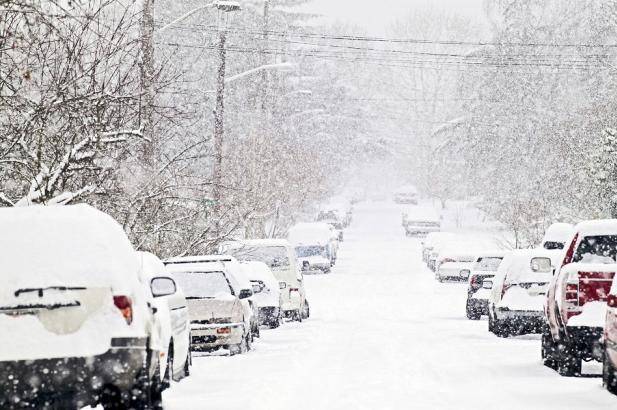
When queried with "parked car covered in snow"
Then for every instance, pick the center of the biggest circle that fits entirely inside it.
(557, 235)
(280, 257)
(434, 240)
(484, 268)
(576, 303)
(314, 245)
(518, 291)
(215, 305)
(74, 314)
(407, 194)
(238, 280)
(171, 317)
(267, 293)
(420, 221)
(454, 266)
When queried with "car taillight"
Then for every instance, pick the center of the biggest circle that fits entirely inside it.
(474, 282)
(504, 288)
(611, 301)
(571, 300)
(125, 305)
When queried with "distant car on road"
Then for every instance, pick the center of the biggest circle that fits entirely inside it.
(576, 303)
(519, 290)
(484, 268)
(406, 195)
(420, 221)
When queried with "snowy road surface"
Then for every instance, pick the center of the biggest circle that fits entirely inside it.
(384, 335)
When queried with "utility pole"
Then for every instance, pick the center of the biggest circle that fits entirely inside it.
(219, 133)
(148, 81)
(264, 60)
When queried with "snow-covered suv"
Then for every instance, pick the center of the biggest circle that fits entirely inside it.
(609, 372)
(484, 268)
(575, 308)
(74, 315)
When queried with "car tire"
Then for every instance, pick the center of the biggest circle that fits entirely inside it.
(609, 374)
(472, 314)
(549, 349)
(502, 328)
(568, 365)
(491, 323)
(169, 371)
(306, 312)
(298, 315)
(187, 364)
(150, 392)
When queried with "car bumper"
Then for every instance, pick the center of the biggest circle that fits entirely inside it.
(478, 305)
(213, 336)
(74, 381)
(586, 342)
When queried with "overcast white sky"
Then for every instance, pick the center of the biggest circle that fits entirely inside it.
(375, 15)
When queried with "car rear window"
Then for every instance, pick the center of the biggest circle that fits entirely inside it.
(597, 249)
(553, 245)
(203, 284)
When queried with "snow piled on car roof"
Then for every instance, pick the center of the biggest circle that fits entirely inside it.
(76, 245)
(597, 227)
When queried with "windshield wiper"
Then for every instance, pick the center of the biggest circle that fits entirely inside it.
(41, 290)
(199, 297)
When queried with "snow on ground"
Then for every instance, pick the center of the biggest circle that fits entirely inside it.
(383, 334)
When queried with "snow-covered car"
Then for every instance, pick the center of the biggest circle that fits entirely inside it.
(516, 303)
(313, 258)
(575, 308)
(454, 266)
(420, 221)
(484, 268)
(215, 306)
(171, 317)
(307, 237)
(280, 257)
(609, 368)
(335, 219)
(239, 281)
(557, 235)
(406, 195)
(74, 314)
(267, 293)
(433, 240)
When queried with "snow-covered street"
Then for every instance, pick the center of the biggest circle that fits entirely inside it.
(383, 334)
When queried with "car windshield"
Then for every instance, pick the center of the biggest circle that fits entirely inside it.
(306, 251)
(488, 264)
(273, 256)
(203, 284)
(597, 249)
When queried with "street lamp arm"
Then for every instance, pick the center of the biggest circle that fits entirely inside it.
(185, 16)
(258, 69)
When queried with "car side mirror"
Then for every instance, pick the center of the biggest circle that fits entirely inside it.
(245, 293)
(282, 285)
(464, 273)
(487, 284)
(162, 286)
(257, 288)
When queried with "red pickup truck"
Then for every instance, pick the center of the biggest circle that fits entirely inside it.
(576, 303)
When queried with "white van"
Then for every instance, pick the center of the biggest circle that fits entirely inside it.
(74, 315)
(280, 256)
